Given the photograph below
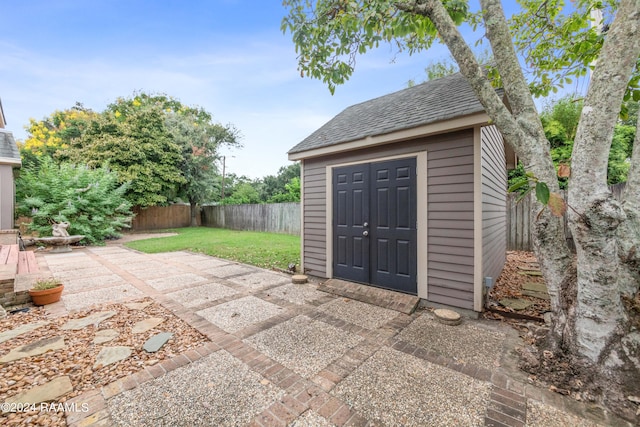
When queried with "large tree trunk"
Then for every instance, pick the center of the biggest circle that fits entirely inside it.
(595, 300)
(606, 232)
(194, 213)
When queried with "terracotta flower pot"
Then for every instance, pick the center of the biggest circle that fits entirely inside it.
(46, 296)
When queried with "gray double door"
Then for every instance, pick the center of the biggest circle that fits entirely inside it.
(374, 224)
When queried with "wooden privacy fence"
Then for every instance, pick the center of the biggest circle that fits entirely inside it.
(281, 218)
(160, 217)
(519, 227)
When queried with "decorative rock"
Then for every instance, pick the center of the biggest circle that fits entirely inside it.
(146, 324)
(105, 335)
(535, 287)
(137, 305)
(540, 295)
(92, 319)
(516, 304)
(156, 342)
(299, 279)
(33, 349)
(42, 393)
(7, 335)
(447, 317)
(530, 273)
(109, 355)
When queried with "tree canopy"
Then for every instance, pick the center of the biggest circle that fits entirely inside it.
(164, 149)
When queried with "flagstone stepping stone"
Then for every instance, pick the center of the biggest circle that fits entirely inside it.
(540, 295)
(42, 393)
(137, 305)
(530, 273)
(146, 324)
(535, 287)
(22, 329)
(299, 279)
(105, 335)
(33, 349)
(447, 317)
(516, 304)
(156, 342)
(92, 319)
(109, 355)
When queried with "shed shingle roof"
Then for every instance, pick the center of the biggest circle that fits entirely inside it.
(8, 149)
(430, 102)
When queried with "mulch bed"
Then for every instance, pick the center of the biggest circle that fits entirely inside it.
(76, 360)
(509, 285)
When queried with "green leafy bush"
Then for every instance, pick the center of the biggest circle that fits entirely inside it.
(91, 200)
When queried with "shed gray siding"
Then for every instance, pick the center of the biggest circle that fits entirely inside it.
(450, 211)
(7, 197)
(494, 192)
(450, 207)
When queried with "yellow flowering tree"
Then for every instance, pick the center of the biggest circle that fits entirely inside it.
(47, 137)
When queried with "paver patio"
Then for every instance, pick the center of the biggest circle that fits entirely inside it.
(283, 354)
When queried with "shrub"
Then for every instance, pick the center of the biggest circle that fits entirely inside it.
(91, 200)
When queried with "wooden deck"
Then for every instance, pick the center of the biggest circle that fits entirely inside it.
(13, 261)
(18, 270)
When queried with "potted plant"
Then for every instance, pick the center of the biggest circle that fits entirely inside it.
(46, 291)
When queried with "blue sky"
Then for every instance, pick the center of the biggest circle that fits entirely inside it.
(227, 56)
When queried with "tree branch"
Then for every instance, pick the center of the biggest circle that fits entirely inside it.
(631, 197)
(470, 69)
(513, 80)
(601, 109)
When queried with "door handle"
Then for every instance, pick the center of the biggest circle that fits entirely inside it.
(365, 233)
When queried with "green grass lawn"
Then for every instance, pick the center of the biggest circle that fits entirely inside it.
(266, 250)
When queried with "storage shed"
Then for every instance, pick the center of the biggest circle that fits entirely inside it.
(407, 192)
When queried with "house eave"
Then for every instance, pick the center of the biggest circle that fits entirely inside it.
(445, 126)
(10, 161)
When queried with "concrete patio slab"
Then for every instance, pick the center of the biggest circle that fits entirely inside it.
(86, 299)
(146, 265)
(217, 390)
(542, 415)
(203, 264)
(155, 273)
(196, 296)
(70, 266)
(77, 256)
(304, 345)
(238, 314)
(466, 343)
(260, 280)
(230, 270)
(364, 315)
(88, 283)
(394, 388)
(297, 294)
(311, 419)
(82, 273)
(172, 282)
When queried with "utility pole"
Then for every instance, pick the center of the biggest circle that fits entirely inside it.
(223, 170)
